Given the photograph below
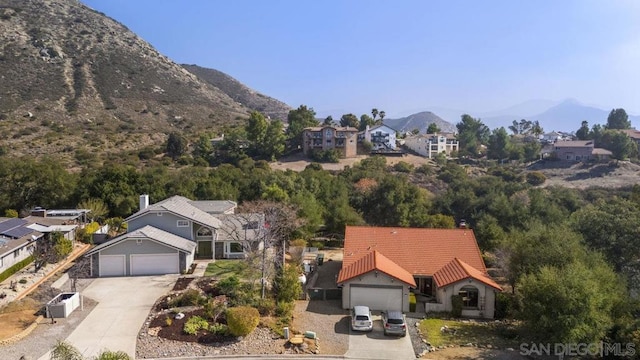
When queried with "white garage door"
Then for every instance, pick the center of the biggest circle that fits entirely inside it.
(155, 264)
(112, 265)
(376, 298)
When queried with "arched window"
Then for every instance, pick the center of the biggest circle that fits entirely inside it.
(469, 296)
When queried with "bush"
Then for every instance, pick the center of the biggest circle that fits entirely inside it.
(331, 155)
(194, 324)
(504, 305)
(265, 307)
(242, 320)
(287, 284)
(412, 302)
(403, 167)
(456, 305)
(229, 286)
(191, 297)
(536, 178)
(15, 268)
(284, 309)
(219, 329)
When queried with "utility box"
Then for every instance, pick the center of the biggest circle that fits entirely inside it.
(63, 305)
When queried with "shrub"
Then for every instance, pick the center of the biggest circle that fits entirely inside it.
(219, 329)
(403, 167)
(456, 305)
(11, 213)
(215, 307)
(22, 281)
(194, 324)
(287, 284)
(536, 178)
(229, 286)
(265, 307)
(331, 155)
(298, 242)
(15, 268)
(168, 321)
(504, 305)
(412, 302)
(284, 309)
(190, 297)
(242, 320)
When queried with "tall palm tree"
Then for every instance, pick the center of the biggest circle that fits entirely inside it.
(382, 115)
(374, 113)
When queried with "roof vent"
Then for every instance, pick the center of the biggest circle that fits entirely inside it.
(463, 224)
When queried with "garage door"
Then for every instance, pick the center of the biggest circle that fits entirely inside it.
(376, 298)
(112, 265)
(155, 264)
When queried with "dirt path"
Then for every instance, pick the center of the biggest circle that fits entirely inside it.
(298, 162)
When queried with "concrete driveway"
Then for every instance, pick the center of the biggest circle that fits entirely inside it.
(375, 345)
(123, 306)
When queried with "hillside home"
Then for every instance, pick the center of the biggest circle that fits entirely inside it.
(17, 241)
(633, 134)
(343, 139)
(165, 238)
(381, 137)
(579, 150)
(382, 265)
(430, 145)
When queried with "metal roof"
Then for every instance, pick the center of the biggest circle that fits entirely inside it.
(214, 206)
(180, 206)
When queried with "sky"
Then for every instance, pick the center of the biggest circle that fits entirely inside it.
(405, 56)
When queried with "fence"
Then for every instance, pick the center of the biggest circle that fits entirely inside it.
(324, 294)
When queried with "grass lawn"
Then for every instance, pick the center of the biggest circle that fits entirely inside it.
(463, 332)
(222, 269)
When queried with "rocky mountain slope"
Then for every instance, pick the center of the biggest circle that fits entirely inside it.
(420, 121)
(74, 79)
(239, 92)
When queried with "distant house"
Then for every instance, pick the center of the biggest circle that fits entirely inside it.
(17, 241)
(166, 237)
(343, 139)
(579, 150)
(633, 134)
(430, 145)
(381, 137)
(381, 265)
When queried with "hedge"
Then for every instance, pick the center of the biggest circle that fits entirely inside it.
(242, 320)
(15, 268)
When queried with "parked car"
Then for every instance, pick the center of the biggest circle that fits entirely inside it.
(361, 319)
(393, 323)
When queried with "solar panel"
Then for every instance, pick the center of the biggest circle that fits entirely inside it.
(18, 232)
(11, 223)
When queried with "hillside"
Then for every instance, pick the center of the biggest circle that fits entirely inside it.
(420, 121)
(239, 92)
(74, 79)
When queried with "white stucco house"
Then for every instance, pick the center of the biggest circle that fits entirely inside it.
(166, 237)
(381, 137)
(430, 145)
(382, 265)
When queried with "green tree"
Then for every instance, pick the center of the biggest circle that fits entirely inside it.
(328, 120)
(274, 143)
(570, 304)
(472, 133)
(433, 128)
(287, 286)
(176, 145)
(382, 114)
(374, 113)
(98, 210)
(620, 144)
(499, 144)
(618, 119)
(583, 133)
(366, 120)
(349, 120)
(203, 149)
(256, 130)
(298, 120)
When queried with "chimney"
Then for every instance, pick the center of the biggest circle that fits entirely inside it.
(144, 201)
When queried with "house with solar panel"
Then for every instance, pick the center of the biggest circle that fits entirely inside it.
(17, 241)
(383, 265)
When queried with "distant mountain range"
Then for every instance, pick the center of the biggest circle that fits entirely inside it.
(566, 115)
(420, 121)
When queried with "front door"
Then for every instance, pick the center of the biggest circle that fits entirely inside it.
(205, 249)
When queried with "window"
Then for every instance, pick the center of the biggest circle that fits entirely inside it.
(204, 231)
(16, 253)
(328, 132)
(235, 247)
(469, 296)
(183, 223)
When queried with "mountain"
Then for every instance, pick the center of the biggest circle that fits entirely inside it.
(564, 116)
(250, 98)
(73, 80)
(420, 121)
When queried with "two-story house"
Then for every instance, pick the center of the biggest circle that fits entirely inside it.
(166, 237)
(343, 139)
(579, 150)
(430, 145)
(381, 137)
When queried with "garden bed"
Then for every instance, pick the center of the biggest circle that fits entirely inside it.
(175, 330)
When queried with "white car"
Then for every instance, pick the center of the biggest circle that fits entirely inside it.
(361, 319)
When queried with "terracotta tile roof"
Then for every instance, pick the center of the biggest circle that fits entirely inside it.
(457, 270)
(420, 251)
(374, 260)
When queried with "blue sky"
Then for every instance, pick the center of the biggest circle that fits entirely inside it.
(341, 56)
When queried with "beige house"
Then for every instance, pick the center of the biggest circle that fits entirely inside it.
(579, 150)
(430, 145)
(382, 265)
(330, 137)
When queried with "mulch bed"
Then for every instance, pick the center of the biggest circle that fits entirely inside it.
(174, 331)
(182, 283)
(208, 286)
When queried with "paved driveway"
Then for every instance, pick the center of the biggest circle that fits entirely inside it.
(123, 306)
(375, 345)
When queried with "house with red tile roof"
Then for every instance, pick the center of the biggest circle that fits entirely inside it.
(382, 265)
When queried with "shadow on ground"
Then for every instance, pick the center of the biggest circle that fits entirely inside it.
(327, 307)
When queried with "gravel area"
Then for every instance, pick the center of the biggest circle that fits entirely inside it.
(46, 334)
(328, 320)
(419, 346)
